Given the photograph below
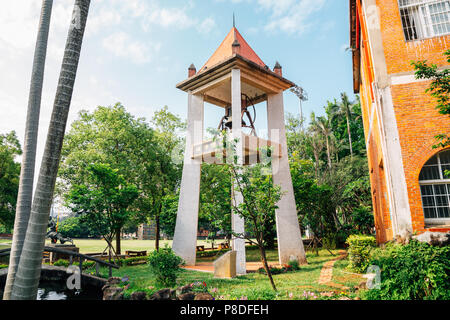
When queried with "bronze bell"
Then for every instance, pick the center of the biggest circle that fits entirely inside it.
(229, 123)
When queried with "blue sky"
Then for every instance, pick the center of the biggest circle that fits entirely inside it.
(136, 51)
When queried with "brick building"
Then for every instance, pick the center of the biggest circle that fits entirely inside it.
(409, 190)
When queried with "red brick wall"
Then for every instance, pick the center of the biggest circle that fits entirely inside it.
(400, 53)
(417, 119)
(418, 123)
(374, 152)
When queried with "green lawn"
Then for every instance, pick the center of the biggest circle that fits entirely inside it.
(97, 245)
(253, 286)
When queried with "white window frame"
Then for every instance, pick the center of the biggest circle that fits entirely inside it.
(424, 28)
(441, 181)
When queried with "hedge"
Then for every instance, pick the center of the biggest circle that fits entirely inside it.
(359, 250)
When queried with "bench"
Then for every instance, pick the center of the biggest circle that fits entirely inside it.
(132, 253)
(223, 246)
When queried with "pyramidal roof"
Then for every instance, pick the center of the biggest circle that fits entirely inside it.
(225, 50)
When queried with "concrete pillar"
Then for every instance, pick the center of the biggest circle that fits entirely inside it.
(290, 244)
(185, 237)
(238, 223)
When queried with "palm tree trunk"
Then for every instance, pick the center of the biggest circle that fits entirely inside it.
(28, 272)
(25, 194)
(349, 137)
(328, 153)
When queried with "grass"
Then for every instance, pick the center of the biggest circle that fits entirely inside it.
(254, 286)
(97, 245)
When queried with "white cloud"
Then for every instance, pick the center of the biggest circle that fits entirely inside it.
(101, 20)
(19, 19)
(291, 16)
(121, 45)
(206, 26)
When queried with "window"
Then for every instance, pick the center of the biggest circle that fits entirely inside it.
(435, 189)
(424, 18)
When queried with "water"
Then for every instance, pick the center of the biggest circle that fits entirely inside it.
(57, 290)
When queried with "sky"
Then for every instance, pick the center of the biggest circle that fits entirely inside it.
(136, 51)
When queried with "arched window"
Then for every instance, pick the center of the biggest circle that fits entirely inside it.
(435, 189)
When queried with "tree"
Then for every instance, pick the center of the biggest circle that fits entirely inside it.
(331, 203)
(103, 202)
(439, 89)
(260, 197)
(9, 178)
(322, 125)
(163, 175)
(29, 149)
(313, 200)
(28, 272)
(215, 205)
(344, 109)
(111, 136)
(75, 227)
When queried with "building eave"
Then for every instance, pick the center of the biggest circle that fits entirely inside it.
(277, 82)
(355, 34)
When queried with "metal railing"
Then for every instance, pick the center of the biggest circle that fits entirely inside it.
(71, 254)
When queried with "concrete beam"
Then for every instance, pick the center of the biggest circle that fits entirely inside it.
(185, 237)
(290, 243)
(238, 223)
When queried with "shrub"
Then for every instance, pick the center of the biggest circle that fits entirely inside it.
(359, 250)
(61, 263)
(417, 271)
(130, 261)
(294, 265)
(3, 266)
(285, 268)
(165, 265)
(211, 253)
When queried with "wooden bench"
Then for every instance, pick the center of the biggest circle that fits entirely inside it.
(132, 253)
(223, 246)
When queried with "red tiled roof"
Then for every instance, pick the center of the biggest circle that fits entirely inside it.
(225, 50)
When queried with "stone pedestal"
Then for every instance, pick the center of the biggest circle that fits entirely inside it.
(225, 266)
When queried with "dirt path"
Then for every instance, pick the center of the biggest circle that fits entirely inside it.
(326, 275)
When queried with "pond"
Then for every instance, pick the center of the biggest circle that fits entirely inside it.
(57, 290)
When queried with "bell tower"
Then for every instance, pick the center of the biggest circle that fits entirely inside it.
(236, 79)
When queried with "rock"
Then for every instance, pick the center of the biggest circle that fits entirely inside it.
(204, 296)
(112, 293)
(138, 295)
(404, 237)
(113, 281)
(187, 296)
(161, 295)
(434, 238)
(185, 289)
(362, 285)
(173, 294)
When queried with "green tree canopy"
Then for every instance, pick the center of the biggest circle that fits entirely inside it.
(9, 178)
(103, 201)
